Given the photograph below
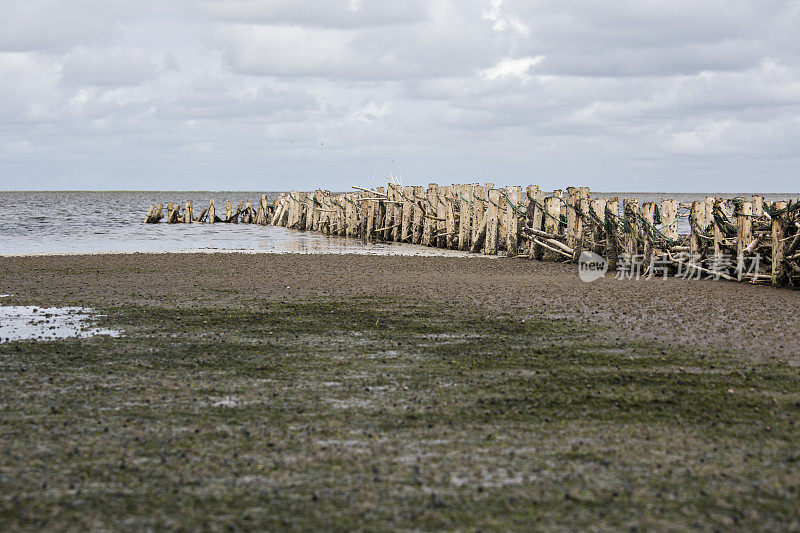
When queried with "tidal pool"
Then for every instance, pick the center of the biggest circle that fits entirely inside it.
(29, 322)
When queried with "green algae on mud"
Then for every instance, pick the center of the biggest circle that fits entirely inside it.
(388, 413)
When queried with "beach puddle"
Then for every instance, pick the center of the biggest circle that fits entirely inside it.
(28, 322)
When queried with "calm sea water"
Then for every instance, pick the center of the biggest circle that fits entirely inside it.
(96, 222)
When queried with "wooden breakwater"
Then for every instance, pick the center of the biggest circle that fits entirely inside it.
(738, 239)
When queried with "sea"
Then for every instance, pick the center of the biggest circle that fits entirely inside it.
(81, 222)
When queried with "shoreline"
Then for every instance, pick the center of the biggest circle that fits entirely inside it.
(752, 320)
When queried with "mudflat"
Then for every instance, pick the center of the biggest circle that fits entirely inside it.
(754, 319)
(366, 392)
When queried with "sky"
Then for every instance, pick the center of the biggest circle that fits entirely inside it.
(647, 95)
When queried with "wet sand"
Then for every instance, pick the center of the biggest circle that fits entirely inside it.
(758, 321)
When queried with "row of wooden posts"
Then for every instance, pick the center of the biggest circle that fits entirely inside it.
(744, 239)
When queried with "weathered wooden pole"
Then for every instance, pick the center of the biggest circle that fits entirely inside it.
(172, 213)
(715, 217)
(386, 234)
(441, 218)
(573, 199)
(630, 209)
(537, 252)
(744, 232)
(429, 220)
(584, 224)
(512, 236)
(398, 213)
(648, 232)
(502, 227)
(478, 208)
(408, 211)
(598, 230)
(758, 206)
(696, 225)
(492, 222)
(465, 217)
(417, 222)
(212, 212)
(669, 219)
(187, 213)
(612, 238)
(552, 223)
(778, 233)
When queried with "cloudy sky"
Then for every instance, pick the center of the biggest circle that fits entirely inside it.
(650, 95)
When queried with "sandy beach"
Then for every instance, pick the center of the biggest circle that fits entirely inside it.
(753, 320)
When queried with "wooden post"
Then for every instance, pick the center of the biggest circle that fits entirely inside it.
(530, 209)
(778, 233)
(630, 208)
(380, 214)
(612, 238)
(441, 218)
(584, 225)
(370, 227)
(598, 226)
(478, 208)
(348, 215)
(276, 218)
(537, 252)
(417, 223)
(149, 214)
(696, 223)
(405, 220)
(228, 213)
(340, 220)
(511, 220)
(386, 234)
(492, 222)
(573, 200)
(428, 223)
(758, 206)
(502, 228)
(235, 217)
(265, 210)
(715, 217)
(708, 213)
(352, 224)
(172, 213)
(212, 213)
(450, 239)
(259, 212)
(302, 203)
(744, 232)
(315, 209)
(398, 214)
(290, 208)
(309, 213)
(187, 213)
(648, 228)
(669, 219)
(552, 222)
(464, 217)
(329, 216)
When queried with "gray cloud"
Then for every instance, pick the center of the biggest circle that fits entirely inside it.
(271, 94)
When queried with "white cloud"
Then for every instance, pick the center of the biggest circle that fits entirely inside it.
(511, 67)
(658, 91)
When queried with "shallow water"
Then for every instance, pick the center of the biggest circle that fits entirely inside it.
(55, 222)
(28, 322)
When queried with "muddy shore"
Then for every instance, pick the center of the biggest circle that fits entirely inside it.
(757, 321)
